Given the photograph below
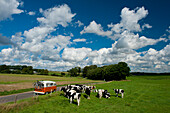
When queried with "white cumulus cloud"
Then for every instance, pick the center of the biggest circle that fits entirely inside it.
(8, 8)
(95, 28)
(60, 15)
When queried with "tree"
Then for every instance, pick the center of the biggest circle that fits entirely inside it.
(111, 72)
(95, 74)
(87, 68)
(124, 70)
(73, 72)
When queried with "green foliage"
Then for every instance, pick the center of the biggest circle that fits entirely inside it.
(74, 72)
(42, 72)
(95, 74)
(111, 72)
(18, 69)
(62, 74)
(87, 68)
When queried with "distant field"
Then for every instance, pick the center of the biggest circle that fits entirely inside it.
(9, 82)
(143, 94)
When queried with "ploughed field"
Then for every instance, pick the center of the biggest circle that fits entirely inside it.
(149, 94)
(10, 82)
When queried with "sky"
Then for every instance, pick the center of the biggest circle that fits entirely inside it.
(61, 34)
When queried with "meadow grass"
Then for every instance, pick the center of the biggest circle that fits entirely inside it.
(143, 94)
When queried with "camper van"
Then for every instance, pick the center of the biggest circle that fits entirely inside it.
(44, 87)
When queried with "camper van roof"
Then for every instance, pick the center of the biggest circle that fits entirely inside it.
(47, 81)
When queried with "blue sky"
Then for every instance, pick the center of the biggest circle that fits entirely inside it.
(61, 34)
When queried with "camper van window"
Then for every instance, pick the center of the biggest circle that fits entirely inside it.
(54, 84)
(51, 84)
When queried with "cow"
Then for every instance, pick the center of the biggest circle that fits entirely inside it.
(106, 94)
(88, 90)
(72, 94)
(119, 91)
(100, 93)
(64, 89)
(103, 93)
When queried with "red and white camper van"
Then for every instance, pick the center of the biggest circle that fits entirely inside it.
(44, 87)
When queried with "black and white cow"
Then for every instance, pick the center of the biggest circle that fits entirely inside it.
(100, 92)
(72, 95)
(88, 90)
(106, 94)
(119, 91)
(77, 88)
(64, 89)
(103, 93)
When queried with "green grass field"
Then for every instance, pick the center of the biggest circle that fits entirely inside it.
(143, 94)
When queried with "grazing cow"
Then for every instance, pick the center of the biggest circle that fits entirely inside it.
(77, 88)
(103, 93)
(64, 89)
(106, 94)
(119, 91)
(100, 93)
(88, 91)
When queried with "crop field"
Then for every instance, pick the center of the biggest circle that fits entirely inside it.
(10, 82)
(143, 94)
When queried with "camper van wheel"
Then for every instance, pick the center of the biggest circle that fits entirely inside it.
(46, 93)
(54, 90)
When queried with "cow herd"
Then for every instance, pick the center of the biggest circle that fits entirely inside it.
(73, 92)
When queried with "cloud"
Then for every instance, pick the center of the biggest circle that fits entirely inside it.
(8, 8)
(60, 15)
(130, 18)
(146, 26)
(31, 13)
(79, 23)
(37, 34)
(129, 22)
(130, 40)
(96, 29)
(79, 40)
(75, 54)
(5, 41)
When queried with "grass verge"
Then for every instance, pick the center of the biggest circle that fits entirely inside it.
(15, 91)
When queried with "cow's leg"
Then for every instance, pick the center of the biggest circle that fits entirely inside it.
(71, 99)
(78, 101)
(122, 95)
(88, 97)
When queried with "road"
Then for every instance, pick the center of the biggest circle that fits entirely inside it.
(19, 96)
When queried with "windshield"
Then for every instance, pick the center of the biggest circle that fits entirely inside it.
(38, 85)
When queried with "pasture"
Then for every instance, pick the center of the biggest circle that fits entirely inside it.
(149, 94)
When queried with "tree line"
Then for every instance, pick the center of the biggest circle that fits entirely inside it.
(108, 72)
(22, 69)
